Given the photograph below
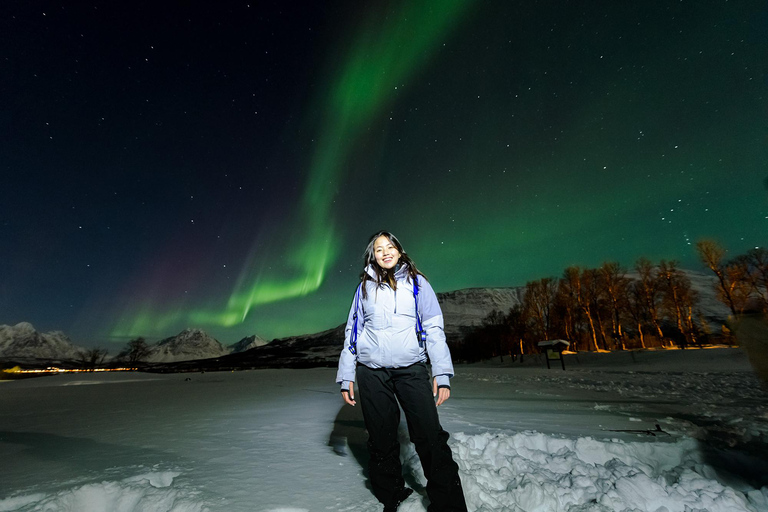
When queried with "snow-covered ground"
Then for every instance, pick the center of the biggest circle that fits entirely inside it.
(525, 438)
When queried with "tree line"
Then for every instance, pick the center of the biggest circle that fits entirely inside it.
(135, 351)
(605, 308)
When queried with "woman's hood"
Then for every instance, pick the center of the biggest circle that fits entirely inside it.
(400, 273)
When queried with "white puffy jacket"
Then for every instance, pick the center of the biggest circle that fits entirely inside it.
(386, 330)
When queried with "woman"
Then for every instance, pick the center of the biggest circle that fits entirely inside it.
(395, 322)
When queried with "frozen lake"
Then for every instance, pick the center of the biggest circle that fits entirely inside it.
(525, 438)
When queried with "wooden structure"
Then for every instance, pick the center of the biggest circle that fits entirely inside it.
(553, 349)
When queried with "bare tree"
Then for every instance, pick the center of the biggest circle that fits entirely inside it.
(614, 282)
(732, 278)
(493, 337)
(570, 321)
(538, 302)
(592, 286)
(573, 282)
(678, 298)
(650, 292)
(93, 357)
(136, 350)
(516, 321)
(755, 268)
(637, 308)
(497, 330)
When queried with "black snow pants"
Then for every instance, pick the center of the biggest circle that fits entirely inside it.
(380, 391)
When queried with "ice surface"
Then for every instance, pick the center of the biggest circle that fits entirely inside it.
(525, 439)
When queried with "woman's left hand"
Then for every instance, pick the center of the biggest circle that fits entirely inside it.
(442, 394)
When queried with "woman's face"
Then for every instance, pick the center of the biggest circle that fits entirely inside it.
(385, 252)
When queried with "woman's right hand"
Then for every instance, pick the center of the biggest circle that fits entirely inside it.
(349, 397)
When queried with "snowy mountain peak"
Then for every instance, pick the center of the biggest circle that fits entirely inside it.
(187, 345)
(22, 340)
(247, 344)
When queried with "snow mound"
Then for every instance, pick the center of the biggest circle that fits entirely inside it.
(530, 471)
(149, 492)
(538, 472)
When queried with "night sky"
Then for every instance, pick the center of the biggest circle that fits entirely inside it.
(221, 165)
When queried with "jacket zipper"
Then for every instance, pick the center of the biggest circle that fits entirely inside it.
(395, 300)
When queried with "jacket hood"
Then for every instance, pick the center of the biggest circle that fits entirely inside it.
(400, 273)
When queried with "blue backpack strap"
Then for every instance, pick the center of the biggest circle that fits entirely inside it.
(421, 334)
(353, 336)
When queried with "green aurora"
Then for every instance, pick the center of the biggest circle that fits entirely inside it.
(382, 57)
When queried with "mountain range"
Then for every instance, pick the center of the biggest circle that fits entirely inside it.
(23, 341)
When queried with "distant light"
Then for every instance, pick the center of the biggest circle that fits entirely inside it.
(53, 369)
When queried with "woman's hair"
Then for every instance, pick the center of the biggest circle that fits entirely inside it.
(386, 276)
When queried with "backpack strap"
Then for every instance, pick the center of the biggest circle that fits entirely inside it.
(421, 334)
(353, 336)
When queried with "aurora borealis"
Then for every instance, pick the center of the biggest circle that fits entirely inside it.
(222, 166)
